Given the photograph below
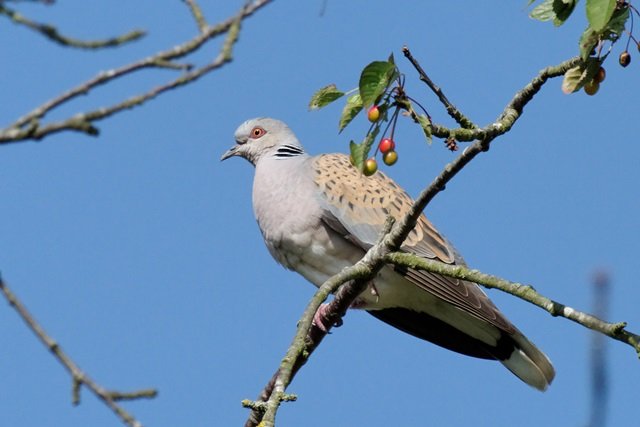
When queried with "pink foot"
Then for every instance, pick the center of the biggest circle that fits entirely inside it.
(322, 319)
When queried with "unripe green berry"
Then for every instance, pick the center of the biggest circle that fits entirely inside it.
(370, 166)
(390, 158)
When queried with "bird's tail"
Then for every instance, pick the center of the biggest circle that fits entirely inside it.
(529, 364)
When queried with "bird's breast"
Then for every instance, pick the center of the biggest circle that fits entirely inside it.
(290, 219)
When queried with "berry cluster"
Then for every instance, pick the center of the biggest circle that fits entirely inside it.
(591, 88)
(386, 146)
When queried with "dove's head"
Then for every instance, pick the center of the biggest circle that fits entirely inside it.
(264, 137)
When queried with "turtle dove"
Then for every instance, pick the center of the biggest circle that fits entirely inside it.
(319, 214)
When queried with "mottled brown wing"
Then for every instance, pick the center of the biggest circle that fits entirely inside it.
(357, 207)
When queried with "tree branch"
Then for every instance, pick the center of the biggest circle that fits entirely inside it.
(53, 34)
(460, 118)
(28, 127)
(525, 292)
(196, 11)
(78, 377)
(273, 394)
(468, 130)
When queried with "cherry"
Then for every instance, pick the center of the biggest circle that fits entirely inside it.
(625, 58)
(370, 166)
(600, 75)
(592, 87)
(386, 145)
(373, 114)
(390, 158)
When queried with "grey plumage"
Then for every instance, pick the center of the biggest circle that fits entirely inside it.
(319, 215)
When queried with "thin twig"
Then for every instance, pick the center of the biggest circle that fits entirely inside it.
(78, 376)
(460, 118)
(83, 122)
(53, 34)
(28, 127)
(196, 11)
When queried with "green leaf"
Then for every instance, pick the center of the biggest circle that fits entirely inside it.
(374, 80)
(351, 109)
(576, 77)
(391, 59)
(562, 10)
(571, 80)
(360, 152)
(369, 139)
(612, 31)
(543, 11)
(588, 41)
(615, 26)
(324, 97)
(357, 155)
(425, 123)
(599, 13)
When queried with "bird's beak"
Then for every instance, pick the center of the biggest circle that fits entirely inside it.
(230, 152)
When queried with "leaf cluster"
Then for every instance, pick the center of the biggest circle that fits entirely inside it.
(380, 84)
(607, 19)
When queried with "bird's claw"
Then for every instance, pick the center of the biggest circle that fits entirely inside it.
(323, 321)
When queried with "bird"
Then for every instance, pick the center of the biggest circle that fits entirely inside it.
(320, 214)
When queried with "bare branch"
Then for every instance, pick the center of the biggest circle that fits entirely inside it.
(78, 376)
(460, 118)
(28, 127)
(53, 34)
(196, 11)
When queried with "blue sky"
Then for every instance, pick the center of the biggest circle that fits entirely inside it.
(138, 251)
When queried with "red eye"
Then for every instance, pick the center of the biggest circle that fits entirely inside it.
(257, 132)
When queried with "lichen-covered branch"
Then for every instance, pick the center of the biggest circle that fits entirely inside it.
(78, 377)
(30, 126)
(53, 34)
(468, 130)
(353, 279)
(525, 292)
(483, 137)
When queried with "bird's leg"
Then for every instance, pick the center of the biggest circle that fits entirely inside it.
(323, 320)
(364, 300)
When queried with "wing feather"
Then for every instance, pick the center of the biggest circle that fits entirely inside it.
(357, 206)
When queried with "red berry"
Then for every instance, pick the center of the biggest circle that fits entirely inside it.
(600, 75)
(386, 145)
(390, 158)
(370, 166)
(373, 114)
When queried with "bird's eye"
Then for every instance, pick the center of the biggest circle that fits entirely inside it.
(257, 132)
